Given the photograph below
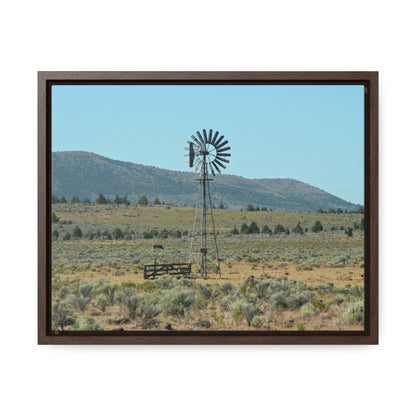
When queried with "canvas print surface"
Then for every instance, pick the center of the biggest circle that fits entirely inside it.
(207, 208)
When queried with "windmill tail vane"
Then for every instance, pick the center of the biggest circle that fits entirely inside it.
(206, 151)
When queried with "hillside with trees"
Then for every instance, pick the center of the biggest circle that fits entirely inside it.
(89, 176)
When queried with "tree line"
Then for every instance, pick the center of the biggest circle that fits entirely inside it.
(102, 200)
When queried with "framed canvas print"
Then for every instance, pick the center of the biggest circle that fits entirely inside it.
(208, 208)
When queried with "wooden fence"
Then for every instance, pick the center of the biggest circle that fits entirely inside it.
(151, 271)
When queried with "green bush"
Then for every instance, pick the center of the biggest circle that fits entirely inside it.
(109, 290)
(117, 234)
(86, 323)
(177, 301)
(80, 302)
(129, 306)
(258, 321)
(61, 315)
(101, 303)
(354, 312)
(86, 289)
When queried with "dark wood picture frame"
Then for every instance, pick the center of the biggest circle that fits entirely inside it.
(370, 333)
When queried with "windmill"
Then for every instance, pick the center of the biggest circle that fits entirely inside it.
(206, 151)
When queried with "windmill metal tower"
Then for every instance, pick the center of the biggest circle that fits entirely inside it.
(206, 150)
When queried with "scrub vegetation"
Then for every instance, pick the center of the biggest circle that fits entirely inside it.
(280, 270)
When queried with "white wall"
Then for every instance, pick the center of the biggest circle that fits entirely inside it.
(191, 35)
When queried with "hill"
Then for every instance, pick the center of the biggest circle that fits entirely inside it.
(88, 174)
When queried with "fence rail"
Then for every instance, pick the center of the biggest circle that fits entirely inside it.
(151, 271)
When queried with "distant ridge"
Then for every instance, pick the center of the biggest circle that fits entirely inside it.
(88, 174)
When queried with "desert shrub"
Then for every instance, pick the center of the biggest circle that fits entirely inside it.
(301, 327)
(177, 301)
(149, 311)
(117, 234)
(129, 306)
(164, 233)
(61, 315)
(261, 288)
(320, 304)
(63, 291)
(101, 303)
(279, 301)
(66, 237)
(348, 231)
(109, 290)
(166, 282)
(354, 312)
(244, 309)
(258, 321)
(177, 234)
(339, 299)
(86, 289)
(296, 300)
(234, 231)
(225, 303)
(86, 323)
(216, 290)
(204, 291)
(80, 302)
(307, 310)
(227, 288)
(203, 323)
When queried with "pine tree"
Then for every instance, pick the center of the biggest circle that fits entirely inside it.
(143, 200)
(317, 227)
(266, 229)
(101, 199)
(244, 229)
(298, 229)
(76, 232)
(254, 228)
(279, 229)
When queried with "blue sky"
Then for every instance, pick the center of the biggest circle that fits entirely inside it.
(314, 134)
